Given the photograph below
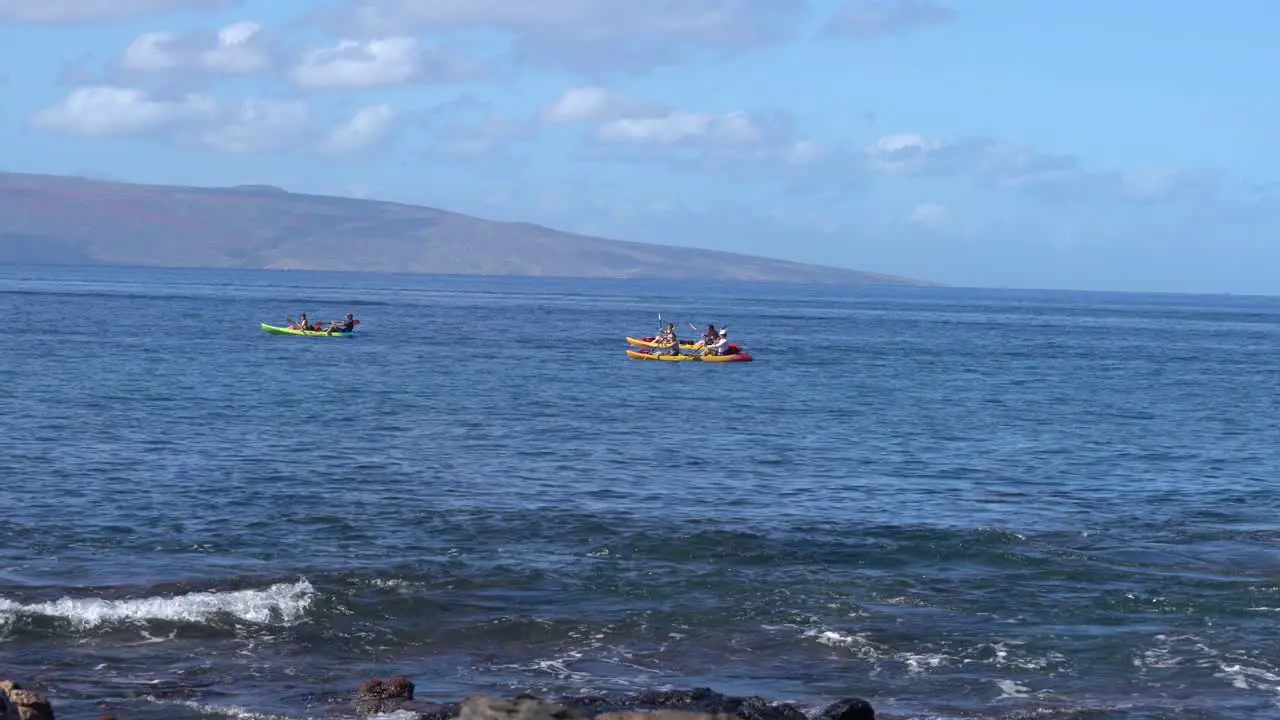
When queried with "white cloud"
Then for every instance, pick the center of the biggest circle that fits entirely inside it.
(1155, 184)
(903, 152)
(259, 126)
(353, 64)
(106, 110)
(740, 143)
(593, 104)
(681, 127)
(592, 35)
(150, 53)
(668, 129)
(235, 50)
(1008, 165)
(75, 11)
(1001, 163)
(239, 48)
(805, 152)
(473, 131)
(862, 19)
(368, 127)
(931, 215)
(620, 119)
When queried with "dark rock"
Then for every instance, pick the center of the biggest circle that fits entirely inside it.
(435, 711)
(17, 703)
(663, 715)
(371, 689)
(7, 711)
(702, 701)
(370, 698)
(524, 707)
(848, 709)
(396, 694)
(398, 688)
(377, 697)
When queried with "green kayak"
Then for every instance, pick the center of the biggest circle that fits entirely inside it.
(276, 330)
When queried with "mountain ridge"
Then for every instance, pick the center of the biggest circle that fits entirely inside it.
(59, 219)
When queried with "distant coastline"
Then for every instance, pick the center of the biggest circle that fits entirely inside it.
(48, 220)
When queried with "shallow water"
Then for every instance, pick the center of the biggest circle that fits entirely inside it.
(951, 502)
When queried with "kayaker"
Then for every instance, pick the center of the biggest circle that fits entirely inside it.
(301, 324)
(669, 336)
(344, 326)
(665, 335)
(719, 346)
(710, 336)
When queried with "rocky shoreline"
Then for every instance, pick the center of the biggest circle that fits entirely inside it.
(397, 695)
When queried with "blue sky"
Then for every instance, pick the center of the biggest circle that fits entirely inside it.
(1092, 145)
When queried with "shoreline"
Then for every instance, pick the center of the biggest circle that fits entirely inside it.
(396, 696)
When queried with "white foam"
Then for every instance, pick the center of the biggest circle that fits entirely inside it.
(403, 587)
(835, 638)
(1239, 669)
(1011, 689)
(281, 603)
(230, 711)
(858, 643)
(1247, 677)
(1000, 656)
(918, 663)
(997, 654)
(1176, 651)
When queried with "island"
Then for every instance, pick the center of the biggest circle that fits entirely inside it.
(64, 220)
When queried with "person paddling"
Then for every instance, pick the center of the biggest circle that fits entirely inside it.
(345, 326)
(669, 336)
(301, 324)
(710, 336)
(719, 346)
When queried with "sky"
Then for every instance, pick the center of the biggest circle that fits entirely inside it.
(1083, 145)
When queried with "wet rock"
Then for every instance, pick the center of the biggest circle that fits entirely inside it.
(663, 715)
(396, 694)
(436, 711)
(702, 702)
(848, 709)
(370, 698)
(378, 697)
(17, 703)
(399, 688)
(523, 707)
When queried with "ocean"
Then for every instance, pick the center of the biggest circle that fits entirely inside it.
(955, 503)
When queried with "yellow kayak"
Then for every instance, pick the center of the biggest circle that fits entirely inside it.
(646, 355)
(649, 342)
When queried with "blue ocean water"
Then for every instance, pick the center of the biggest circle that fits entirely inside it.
(955, 503)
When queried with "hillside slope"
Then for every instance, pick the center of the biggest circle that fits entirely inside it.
(65, 220)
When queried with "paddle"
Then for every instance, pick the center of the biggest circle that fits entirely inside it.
(703, 342)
